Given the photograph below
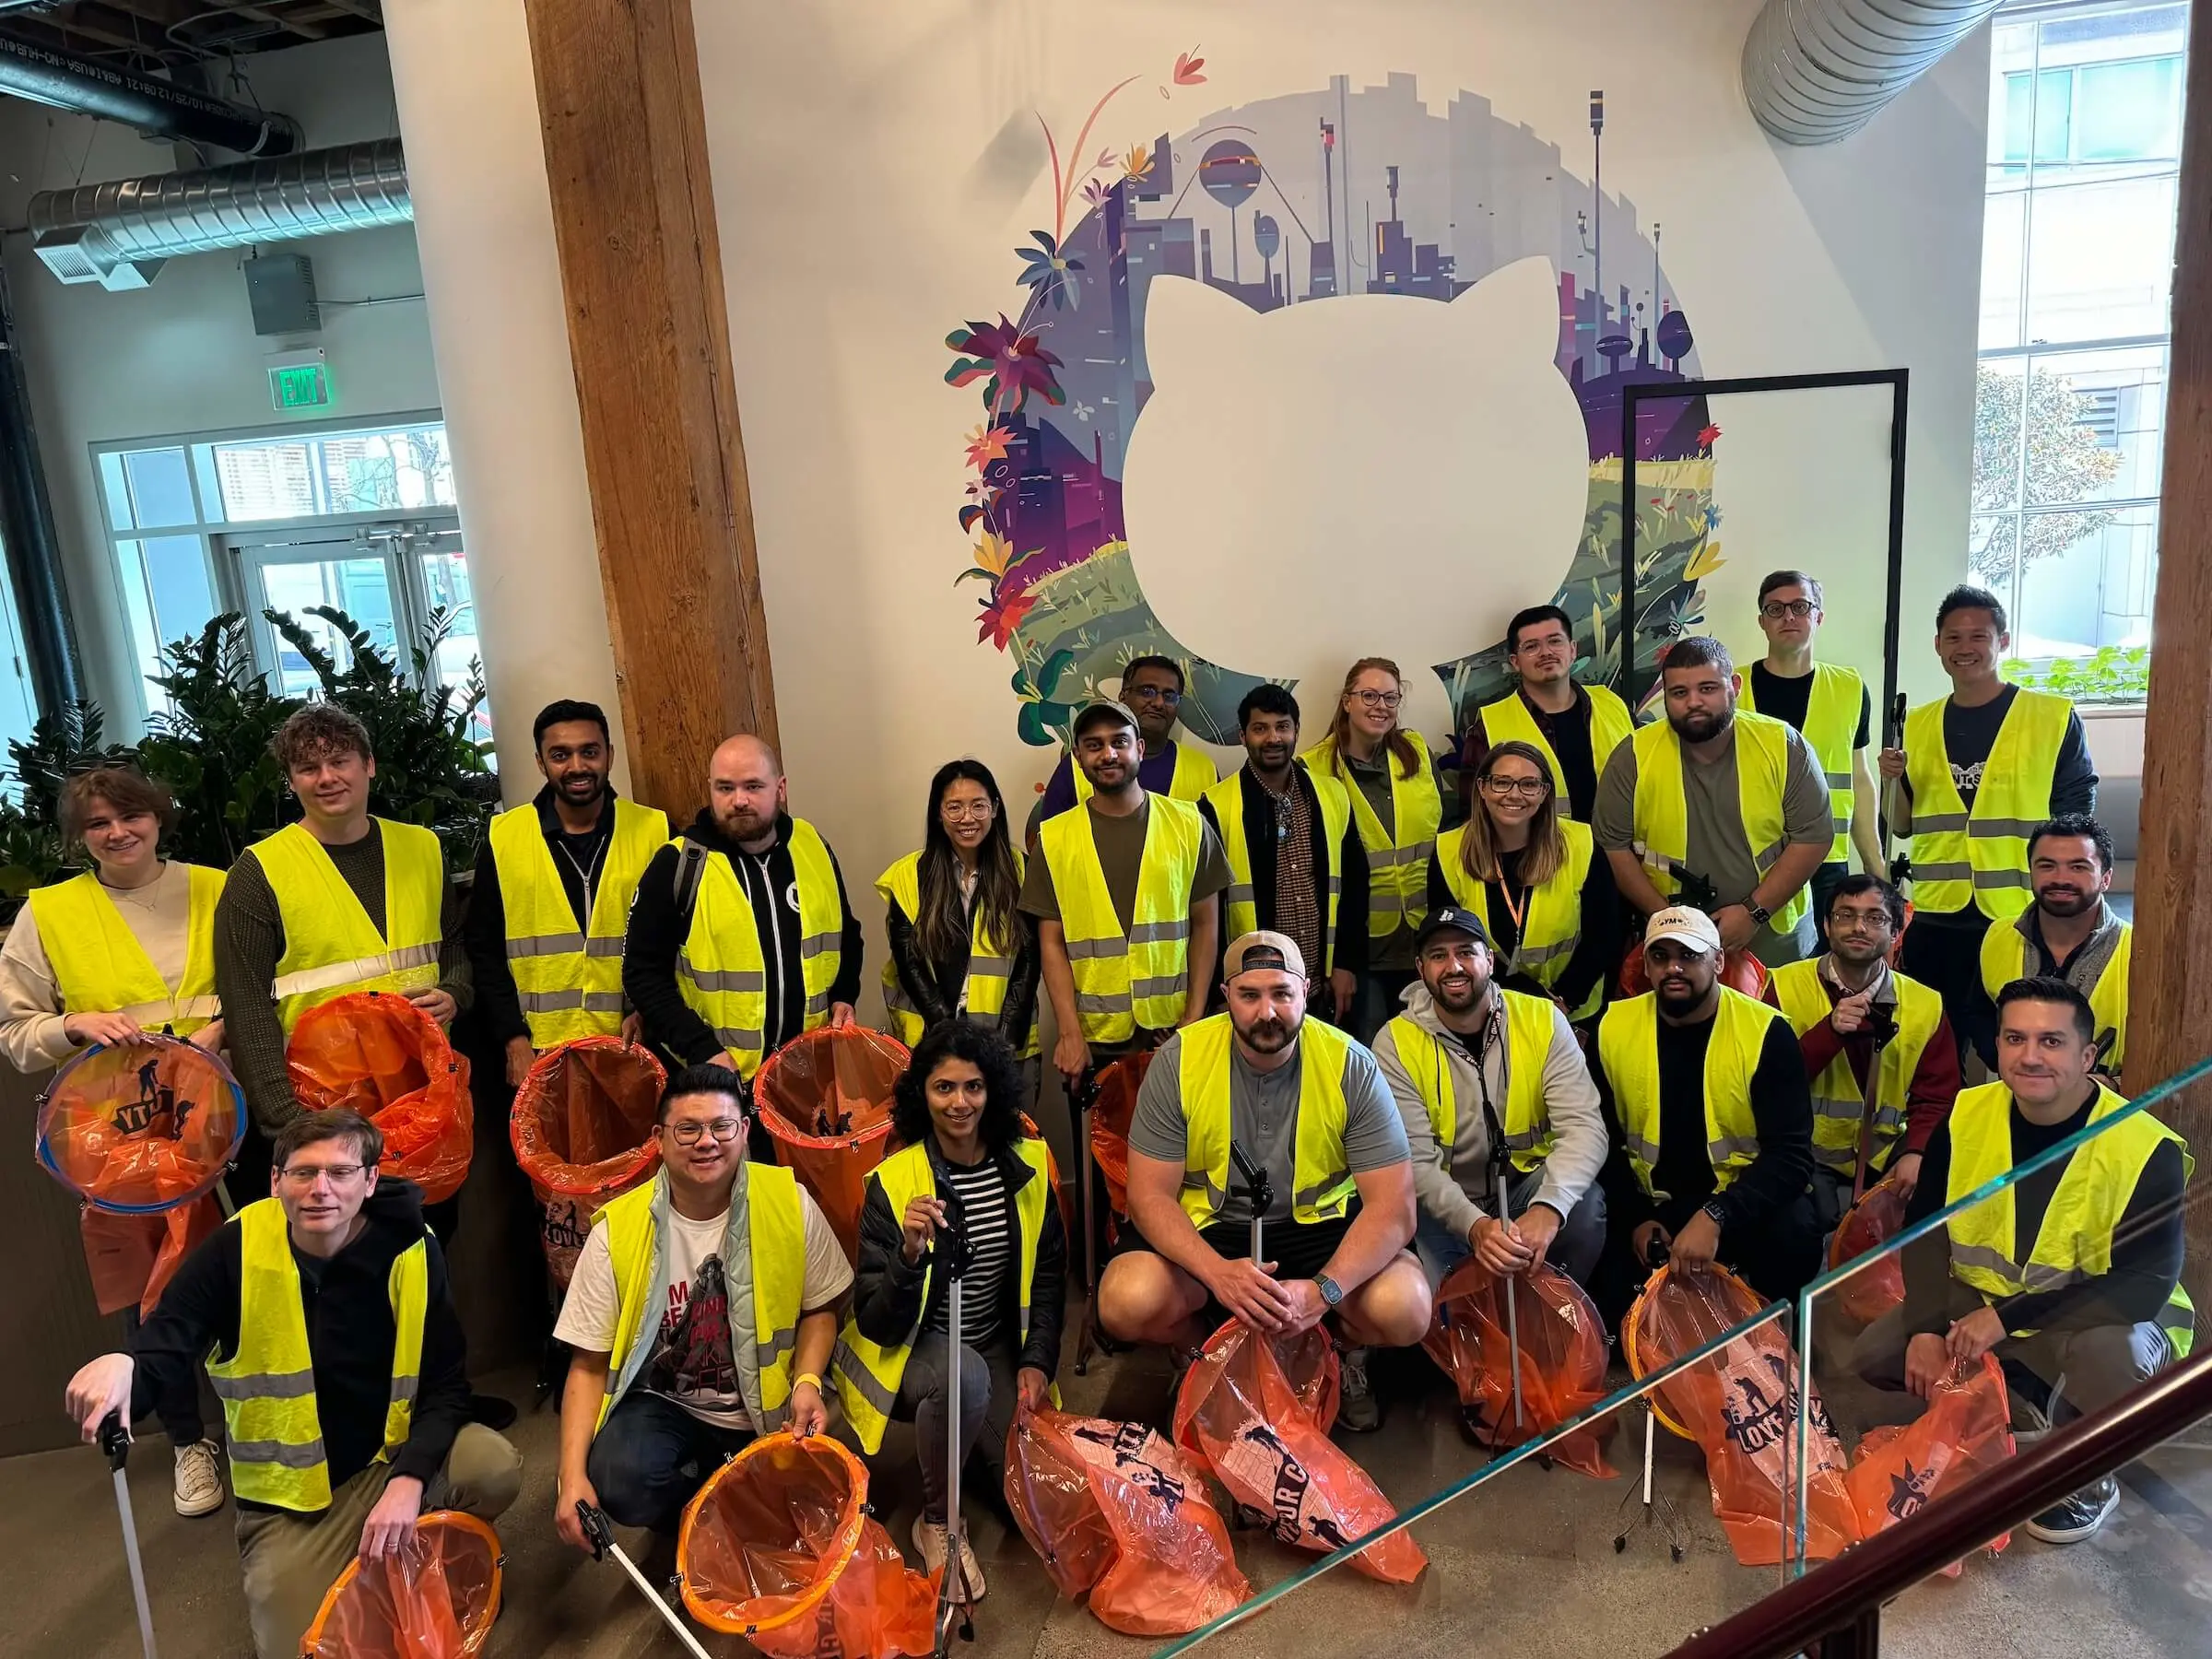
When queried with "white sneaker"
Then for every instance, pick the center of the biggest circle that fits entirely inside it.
(199, 1478)
(933, 1543)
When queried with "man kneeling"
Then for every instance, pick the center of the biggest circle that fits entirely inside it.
(1306, 1108)
(344, 1425)
(661, 1385)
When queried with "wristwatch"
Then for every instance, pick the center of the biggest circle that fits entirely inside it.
(1761, 915)
(1331, 1291)
(1717, 1210)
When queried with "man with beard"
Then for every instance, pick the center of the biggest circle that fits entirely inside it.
(1501, 1118)
(1296, 864)
(551, 900)
(2070, 933)
(1152, 689)
(1712, 797)
(1856, 1018)
(1302, 1105)
(1576, 727)
(1711, 1123)
(741, 937)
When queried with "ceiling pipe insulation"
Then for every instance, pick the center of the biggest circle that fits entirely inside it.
(87, 87)
(1819, 70)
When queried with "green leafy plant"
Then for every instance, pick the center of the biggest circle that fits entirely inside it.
(211, 746)
(2114, 674)
(32, 848)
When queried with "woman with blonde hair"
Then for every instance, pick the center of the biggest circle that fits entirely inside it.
(1398, 801)
(1532, 875)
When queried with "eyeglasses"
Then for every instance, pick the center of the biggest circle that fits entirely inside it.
(958, 811)
(1165, 694)
(1533, 789)
(305, 1175)
(1380, 700)
(722, 1129)
(1775, 609)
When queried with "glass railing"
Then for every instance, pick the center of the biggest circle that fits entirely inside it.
(1731, 1446)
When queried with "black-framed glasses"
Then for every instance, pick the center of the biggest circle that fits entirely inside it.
(723, 1129)
(1380, 700)
(1774, 610)
(1167, 694)
(1533, 789)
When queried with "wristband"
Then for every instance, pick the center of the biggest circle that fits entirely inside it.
(803, 1378)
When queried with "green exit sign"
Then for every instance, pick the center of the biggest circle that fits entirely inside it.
(300, 386)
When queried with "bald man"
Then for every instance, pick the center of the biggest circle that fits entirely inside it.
(741, 937)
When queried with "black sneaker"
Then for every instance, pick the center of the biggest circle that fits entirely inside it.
(1357, 1412)
(2079, 1515)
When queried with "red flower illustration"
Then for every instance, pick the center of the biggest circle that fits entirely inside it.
(1187, 65)
(1000, 617)
(1706, 435)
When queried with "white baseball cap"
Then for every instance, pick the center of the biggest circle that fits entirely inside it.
(1685, 927)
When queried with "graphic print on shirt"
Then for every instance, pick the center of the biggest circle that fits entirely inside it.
(1967, 779)
(691, 1361)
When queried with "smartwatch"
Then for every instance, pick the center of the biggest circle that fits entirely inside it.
(1717, 1211)
(1759, 914)
(1331, 1291)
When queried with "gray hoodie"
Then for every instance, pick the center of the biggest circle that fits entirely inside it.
(1449, 1188)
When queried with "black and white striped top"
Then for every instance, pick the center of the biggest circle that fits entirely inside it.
(989, 1231)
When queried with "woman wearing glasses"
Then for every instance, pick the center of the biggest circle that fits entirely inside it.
(1398, 801)
(960, 945)
(1532, 875)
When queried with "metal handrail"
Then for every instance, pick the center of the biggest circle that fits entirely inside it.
(1837, 1595)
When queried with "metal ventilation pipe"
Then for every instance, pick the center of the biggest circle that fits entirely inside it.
(90, 88)
(120, 233)
(1819, 70)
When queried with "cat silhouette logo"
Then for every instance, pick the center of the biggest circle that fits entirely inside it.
(1909, 1491)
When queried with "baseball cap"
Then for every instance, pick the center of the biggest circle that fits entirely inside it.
(1452, 916)
(1264, 949)
(1685, 927)
(1102, 709)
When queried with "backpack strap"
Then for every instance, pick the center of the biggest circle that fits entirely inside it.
(690, 867)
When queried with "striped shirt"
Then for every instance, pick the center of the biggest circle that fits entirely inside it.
(986, 1218)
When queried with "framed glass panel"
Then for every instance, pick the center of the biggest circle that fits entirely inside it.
(2004, 269)
(361, 586)
(2087, 582)
(272, 479)
(2101, 260)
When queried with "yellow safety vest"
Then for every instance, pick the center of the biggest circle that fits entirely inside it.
(867, 1374)
(1397, 858)
(1321, 1182)
(2004, 959)
(570, 981)
(775, 1241)
(1762, 761)
(100, 968)
(1140, 980)
(1508, 721)
(1244, 917)
(1831, 721)
(1837, 1103)
(330, 946)
(1982, 856)
(267, 1386)
(1552, 930)
(1628, 1045)
(1195, 774)
(1527, 1126)
(2075, 1242)
(990, 964)
(720, 971)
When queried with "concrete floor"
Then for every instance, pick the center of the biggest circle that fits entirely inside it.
(1524, 1565)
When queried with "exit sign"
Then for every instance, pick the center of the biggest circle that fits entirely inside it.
(300, 386)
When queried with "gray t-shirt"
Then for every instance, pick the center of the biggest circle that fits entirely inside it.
(1121, 845)
(1263, 1121)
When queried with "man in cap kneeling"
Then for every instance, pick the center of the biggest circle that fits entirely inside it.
(1262, 1091)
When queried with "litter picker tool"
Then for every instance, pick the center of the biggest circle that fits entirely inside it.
(950, 1251)
(1667, 1514)
(1502, 1169)
(1881, 1027)
(1080, 1100)
(1263, 1196)
(115, 1440)
(602, 1537)
(1893, 737)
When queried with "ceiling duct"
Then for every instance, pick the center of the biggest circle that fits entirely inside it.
(1819, 70)
(90, 88)
(118, 233)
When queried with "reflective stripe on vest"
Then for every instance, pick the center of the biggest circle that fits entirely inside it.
(267, 1386)
(1320, 1181)
(1140, 980)
(721, 971)
(1508, 721)
(1227, 798)
(331, 947)
(570, 982)
(1982, 857)
(1428, 1060)
(1628, 1046)
(1836, 1105)
(867, 1374)
(100, 967)
(1661, 812)
(1397, 858)
(990, 968)
(1831, 721)
(2004, 959)
(1195, 773)
(2075, 1242)
(1552, 930)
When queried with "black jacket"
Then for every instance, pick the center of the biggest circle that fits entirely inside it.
(348, 1300)
(1259, 851)
(657, 931)
(935, 987)
(498, 1004)
(887, 1290)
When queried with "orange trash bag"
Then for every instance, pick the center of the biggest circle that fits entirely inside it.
(1740, 1405)
(1966, 1431)
(778, 1548)
(825, 1098)
(582, 1129)
(1257, 1413)
(436, 1600)
(1114, 1511)
(1562, 1356)
(142, 1131)
(1111, 1112)
(1873, 1220)
(1740, 970)
(377, 1053)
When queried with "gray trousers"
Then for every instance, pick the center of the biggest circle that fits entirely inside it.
(988, 1395)
(2099, 1363)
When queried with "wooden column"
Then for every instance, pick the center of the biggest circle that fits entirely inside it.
(640, 264)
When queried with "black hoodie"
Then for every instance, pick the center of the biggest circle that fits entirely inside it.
(348, 1300)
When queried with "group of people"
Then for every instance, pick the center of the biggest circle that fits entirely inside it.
(1388, 1016)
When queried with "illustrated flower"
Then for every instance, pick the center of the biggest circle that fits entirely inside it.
(1706, 434)
(991, 554)
(1137, 163)
(1187, 65)
(1014, 363)
(1050, 271)
(1000, 616)
(1704, 561)
(1713, 517)
(986, 444)
(1083, 411)
(1098, 193)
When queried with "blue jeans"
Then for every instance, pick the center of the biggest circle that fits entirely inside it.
(651, 1456)
(1574, 1251)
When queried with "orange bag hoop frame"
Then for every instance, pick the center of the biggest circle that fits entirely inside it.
(1637, 1368)
(844, 1545)
(460, 1520)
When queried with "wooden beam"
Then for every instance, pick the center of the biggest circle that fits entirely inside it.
(640, 264)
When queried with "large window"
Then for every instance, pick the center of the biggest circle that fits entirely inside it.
(2070, 411)
(362, 519)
